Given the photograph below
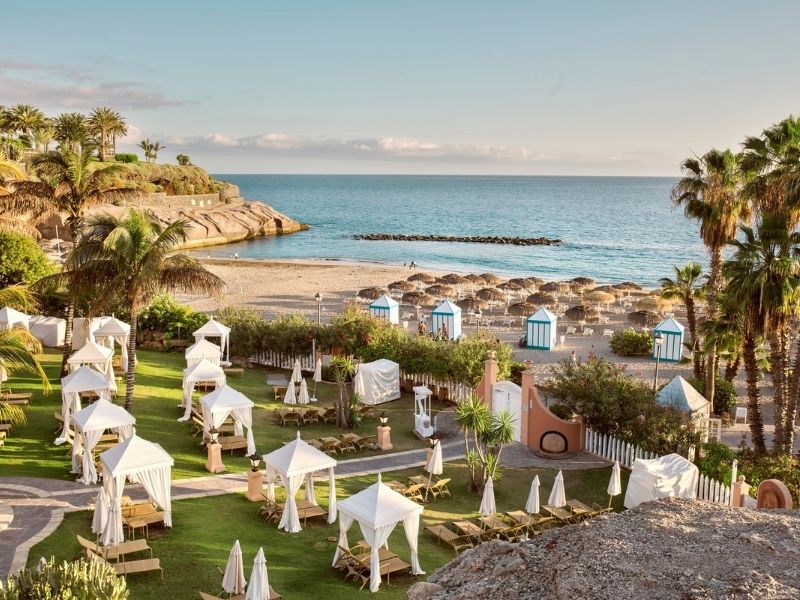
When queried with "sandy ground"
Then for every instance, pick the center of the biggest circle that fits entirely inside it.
(279, 287)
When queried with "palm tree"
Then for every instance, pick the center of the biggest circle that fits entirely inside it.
(709, 192)
(131, 258)
(71, 131)
(725, 333)
(183, 160)
(343, 367)
(25, 118)
(18, 354)
(16, 214)
(687, 287)
(43, 136)
(155, 148)
(105, 124)
(147, 147)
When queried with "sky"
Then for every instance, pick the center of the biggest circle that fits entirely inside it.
(430, 87)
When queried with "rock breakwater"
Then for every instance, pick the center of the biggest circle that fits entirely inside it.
(468, 239)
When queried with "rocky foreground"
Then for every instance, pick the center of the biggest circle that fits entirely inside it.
(672, 549)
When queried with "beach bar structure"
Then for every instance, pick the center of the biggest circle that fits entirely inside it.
(541, 329)
(672, 340)
(449, 315)
(385, 308)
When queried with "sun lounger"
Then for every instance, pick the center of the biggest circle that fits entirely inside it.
(232, 443)
(330, 446)
(233, 370)
(130, 567)
(455, 541)
(273, 595)
(561, 514)
(310, 415)
(116, 552)
(365, 442)
(280, 392)
(329, 416)
(12, 400)
(439, 488)
(414, 492)
(535, 523)
(590, 511)
(5, 428)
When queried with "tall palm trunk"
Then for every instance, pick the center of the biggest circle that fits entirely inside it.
(691, 316)
(69, 317)
(732, 368)
(130, 374)
(711, 300)
(753, 409)
(779, 352)
(791, 404)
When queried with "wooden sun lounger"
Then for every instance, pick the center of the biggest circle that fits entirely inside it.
(9, 395)
(451, 538)
(129, 568)
(13, 401)
(273, 595)
(232, 442)
(561, 514)
(591, 511)
(116, 552)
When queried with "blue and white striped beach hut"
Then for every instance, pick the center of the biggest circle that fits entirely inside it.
(541, 330)
(449, 315)
(672, 340)
(385, 308)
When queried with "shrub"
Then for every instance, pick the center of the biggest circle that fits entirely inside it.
(173, 319)
(516, 370)
(715, 460)
(562, 411)
(21, 260)
(631, 343)
(127, 157)
(724, 393)
(66, 580)
(756, 468)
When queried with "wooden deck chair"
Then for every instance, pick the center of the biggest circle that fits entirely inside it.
(455, 541)
(439, 488)
(414, 492)
(560, 514)
(591, 511)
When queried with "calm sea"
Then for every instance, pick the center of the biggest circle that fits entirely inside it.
(613, 228)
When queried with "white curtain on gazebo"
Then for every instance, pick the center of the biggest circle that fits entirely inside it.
(215, 329)
(114, 330)
(202, 371)
(90, 423)
(84, 379)
(101, 508)
(225, 401)
(203, 349)
(96, 356)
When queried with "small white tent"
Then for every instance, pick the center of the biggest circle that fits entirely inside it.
(148, 464)
(96, 356)
(90, 423)
(377, 382)
(202, 371)
(225, 401)
(670, 476)
(671, 340)
(114, 330)
(10, 318)
(48, 330)
(203, 349)
(540, 331)
(295, 463)
(215, 329)
(449, 315)
(83, 379)
(378, 509)
(385, 308)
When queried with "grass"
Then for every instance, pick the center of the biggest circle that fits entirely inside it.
(29, 451)
(300, 564)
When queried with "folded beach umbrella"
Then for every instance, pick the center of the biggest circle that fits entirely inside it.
(488, 507)
(317, 378)
(557, 497)
(291, 396)
(233, 580)
(435, 465)
(259, 582)
(302, 397)
(296, 375)
(615, 484)
(532, 505)
(101, 508)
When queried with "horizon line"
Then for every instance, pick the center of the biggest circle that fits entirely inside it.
(319, 174)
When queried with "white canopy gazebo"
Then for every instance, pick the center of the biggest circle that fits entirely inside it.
(139, 460)
(48, 330)
(83, 329)
(90, 423)
(96, 356)
(215, 329)
(203, 349)
(378, 509)
(201, 371)
(10, 318)
(294, 463)
(84, 379)
(225, 401)
(114, 330)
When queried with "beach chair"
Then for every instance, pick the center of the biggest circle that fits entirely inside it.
(291, 416)
(310, 415)
(608, 332)
(590, 511)
(571, 330)
(561, 515)
(414, 492)
(116, 552)
(588, 331)
(146, 565)
(280, 392)
(328, 415)
(232, 443)
(365, 442)
(439, 488)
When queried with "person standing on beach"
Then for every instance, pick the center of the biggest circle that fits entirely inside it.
(573, 358)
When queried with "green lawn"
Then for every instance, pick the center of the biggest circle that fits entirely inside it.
(299, 564)
(29, 450)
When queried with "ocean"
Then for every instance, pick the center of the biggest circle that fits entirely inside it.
(613, 228)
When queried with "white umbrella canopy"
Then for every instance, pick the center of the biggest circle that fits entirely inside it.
(557, 496)
(488, 507)
(615, 484)
(532, 505)
(101, 507)
(233, 580)
(302, 397)
(435, 466)
(259, 581)
(297, 377)
(291, 394)
(318, 370)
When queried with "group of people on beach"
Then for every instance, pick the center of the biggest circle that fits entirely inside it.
(442, 334)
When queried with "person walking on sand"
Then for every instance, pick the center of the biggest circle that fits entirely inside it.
(421, 328)
(443, 332)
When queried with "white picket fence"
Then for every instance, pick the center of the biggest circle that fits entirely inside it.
(279, 360)
(613, 449)
(458, 392)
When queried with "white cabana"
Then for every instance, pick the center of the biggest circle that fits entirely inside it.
(670, 476)
(377, 382)
(225, 401)
(203, 349)
(558, 497)
(90, 423)
(385, 308)
(48, 330)
(378, 509)
(84, 379)
(449, 315)
(145, 462)
(215, 329)
(114, 330)
(295, 463)
(83, 329)
(96, 356)
(532, 505)
(540, 330)
(671, 333)
(201, 371)
(10, 318)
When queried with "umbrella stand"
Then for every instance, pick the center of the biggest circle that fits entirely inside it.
(610, 498)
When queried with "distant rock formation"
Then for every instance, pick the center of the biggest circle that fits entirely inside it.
(471, 239)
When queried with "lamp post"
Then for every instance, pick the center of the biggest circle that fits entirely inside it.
(214, 450)
(255, 480)
(658, 339)
(318, 298)
(478, 315)
(384, 433)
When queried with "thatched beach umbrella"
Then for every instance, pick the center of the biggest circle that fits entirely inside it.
(441, 291)
(522, 282)
(418, 299)
(508, 287)
(491, 278)
(542, 299)
(521, 309)
(607, 289)
(534, 282)
(491, 295)
(654, 304)
(476, 279)
(598, 297)
(371, 293)
(578, 287)
(627, 286)
(423, 278)
(558, 287)
(586, 281)
(471, 303)
(455, 279)
(645, 318)
(582, 313)
(402, 286)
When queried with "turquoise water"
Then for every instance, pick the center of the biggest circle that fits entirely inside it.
(613, 228)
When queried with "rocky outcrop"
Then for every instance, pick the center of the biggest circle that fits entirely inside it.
(666, 550)
(470, 239)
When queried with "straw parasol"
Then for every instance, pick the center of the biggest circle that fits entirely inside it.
(490, 295)
(607, 289)
(418, 299)
(582, 313)
(645, 318)
(522, 282)
(476, 279)
(554, 286)
(627, 286)
(521, 309)
(654, 304)
(471, 303)
(422, 278)
(508, 286)
(442, 291)
(578, 287)
(586, 281)
(371, 293)
(599, 297)
(542, 299)
(491, 278)
(455, 279)
(534, 282)
(402, 286)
